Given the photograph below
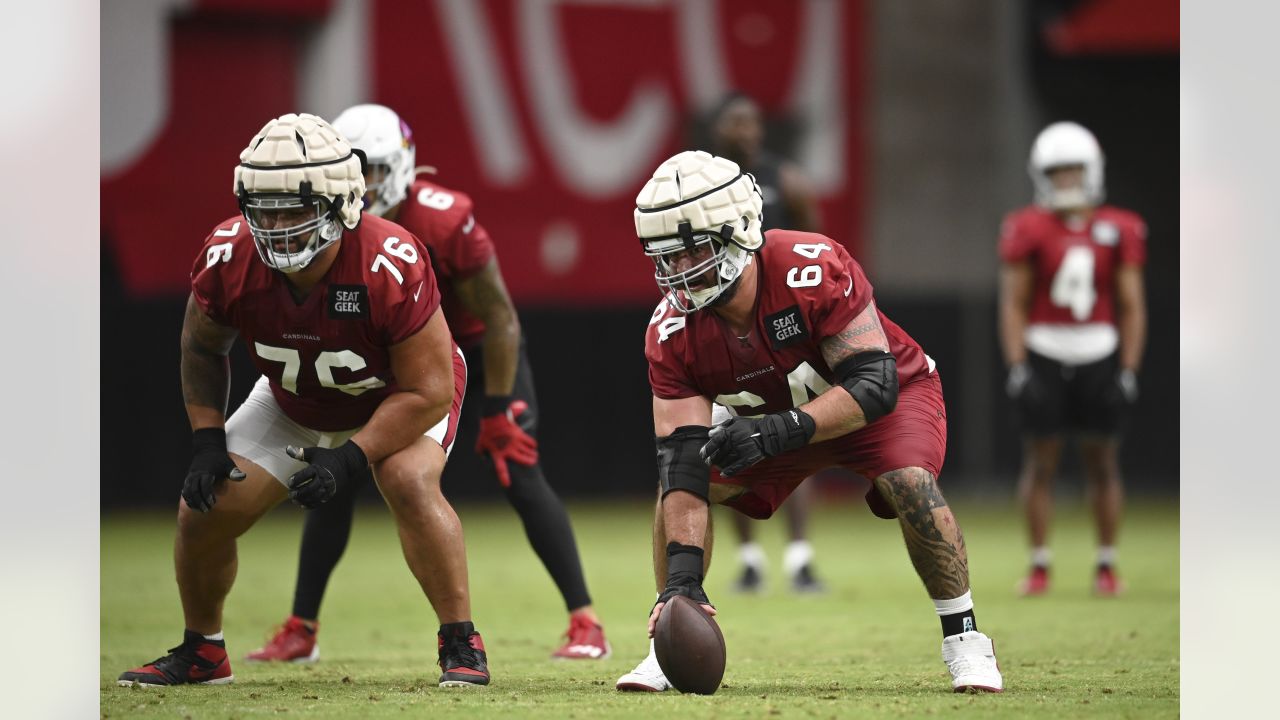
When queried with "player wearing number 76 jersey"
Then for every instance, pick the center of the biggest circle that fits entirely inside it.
(341, 315)
(769, 361)
(1072, 328)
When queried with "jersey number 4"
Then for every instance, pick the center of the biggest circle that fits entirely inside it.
(1073, 283)
(325, 363)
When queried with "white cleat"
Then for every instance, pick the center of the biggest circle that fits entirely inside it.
(971, 658)
(647, 677)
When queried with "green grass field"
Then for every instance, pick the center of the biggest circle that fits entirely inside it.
(868, 648)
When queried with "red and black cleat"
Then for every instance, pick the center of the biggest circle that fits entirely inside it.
(462, 658)
(294, 641)
(1106, 583)
(196, 661)
(1036, 583)
(584, 641)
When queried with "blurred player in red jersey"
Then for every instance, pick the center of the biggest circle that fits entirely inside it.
(484, 323)
(769, 361)
(1073, 324)
(737, 133)
(341, 314)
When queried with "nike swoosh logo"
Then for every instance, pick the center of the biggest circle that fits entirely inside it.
(846, 292)
(419, 291)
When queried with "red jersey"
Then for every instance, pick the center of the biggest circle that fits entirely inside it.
(1074, 268)
(459, 247)
(326, 357)
(809, 288)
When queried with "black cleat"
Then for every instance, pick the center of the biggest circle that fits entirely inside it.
(750, 581)
(462, 658)
(805, 581)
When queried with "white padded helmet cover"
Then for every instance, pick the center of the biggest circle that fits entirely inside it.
(295, 148)
(707, 191)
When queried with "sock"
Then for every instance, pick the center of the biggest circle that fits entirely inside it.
(751, 555)
(546, 525)
(191, 638)
(956, 614)
(1106, 555)
(1040, 556)
(799, 553)
(462, 629)
(325, 532)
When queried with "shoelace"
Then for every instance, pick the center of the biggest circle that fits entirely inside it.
(180, 655)
(458, 651)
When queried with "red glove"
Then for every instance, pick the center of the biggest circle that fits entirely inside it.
(504, 440)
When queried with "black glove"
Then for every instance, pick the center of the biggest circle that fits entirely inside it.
(210, 463)
(1124, 388)
(742, 442)
(684, 574)
(316, 483)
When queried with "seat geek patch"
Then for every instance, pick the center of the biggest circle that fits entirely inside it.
(349, 302)
(786, 328)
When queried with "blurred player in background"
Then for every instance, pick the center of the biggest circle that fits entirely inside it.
(484, 323)
(1073, 324)
(737, 133)
(769, 361)
(341, 315)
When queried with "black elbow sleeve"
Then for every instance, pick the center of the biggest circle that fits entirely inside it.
(872, 379)
(680, 467)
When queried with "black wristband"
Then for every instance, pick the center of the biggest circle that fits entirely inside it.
(684, 562)
(211, 438)
(492, 405)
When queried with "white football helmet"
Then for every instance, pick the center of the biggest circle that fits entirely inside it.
(299, 184)
(1060, 144)
(699, 204)
(387, 142)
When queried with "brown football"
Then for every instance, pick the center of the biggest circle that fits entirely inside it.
(689, 647)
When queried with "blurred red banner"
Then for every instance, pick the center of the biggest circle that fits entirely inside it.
(551, 114)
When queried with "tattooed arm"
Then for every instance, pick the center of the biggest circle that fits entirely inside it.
(205, 369)
(485, 296)
(835, 411)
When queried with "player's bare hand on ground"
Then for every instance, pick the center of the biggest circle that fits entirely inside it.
(317, 483)
(210, 465)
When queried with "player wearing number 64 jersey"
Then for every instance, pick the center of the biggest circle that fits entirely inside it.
(341, 315)
(1072, 327)
(769, 361)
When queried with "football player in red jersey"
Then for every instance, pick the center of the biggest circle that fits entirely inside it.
(484, 323)
(340, 312)
(1073, 324)
(769, 361)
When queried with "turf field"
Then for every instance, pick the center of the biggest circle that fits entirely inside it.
(868, 648)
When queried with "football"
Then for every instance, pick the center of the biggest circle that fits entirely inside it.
(689, 646)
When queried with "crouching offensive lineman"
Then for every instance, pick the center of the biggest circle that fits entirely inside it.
(789, 368)
(341, 314)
